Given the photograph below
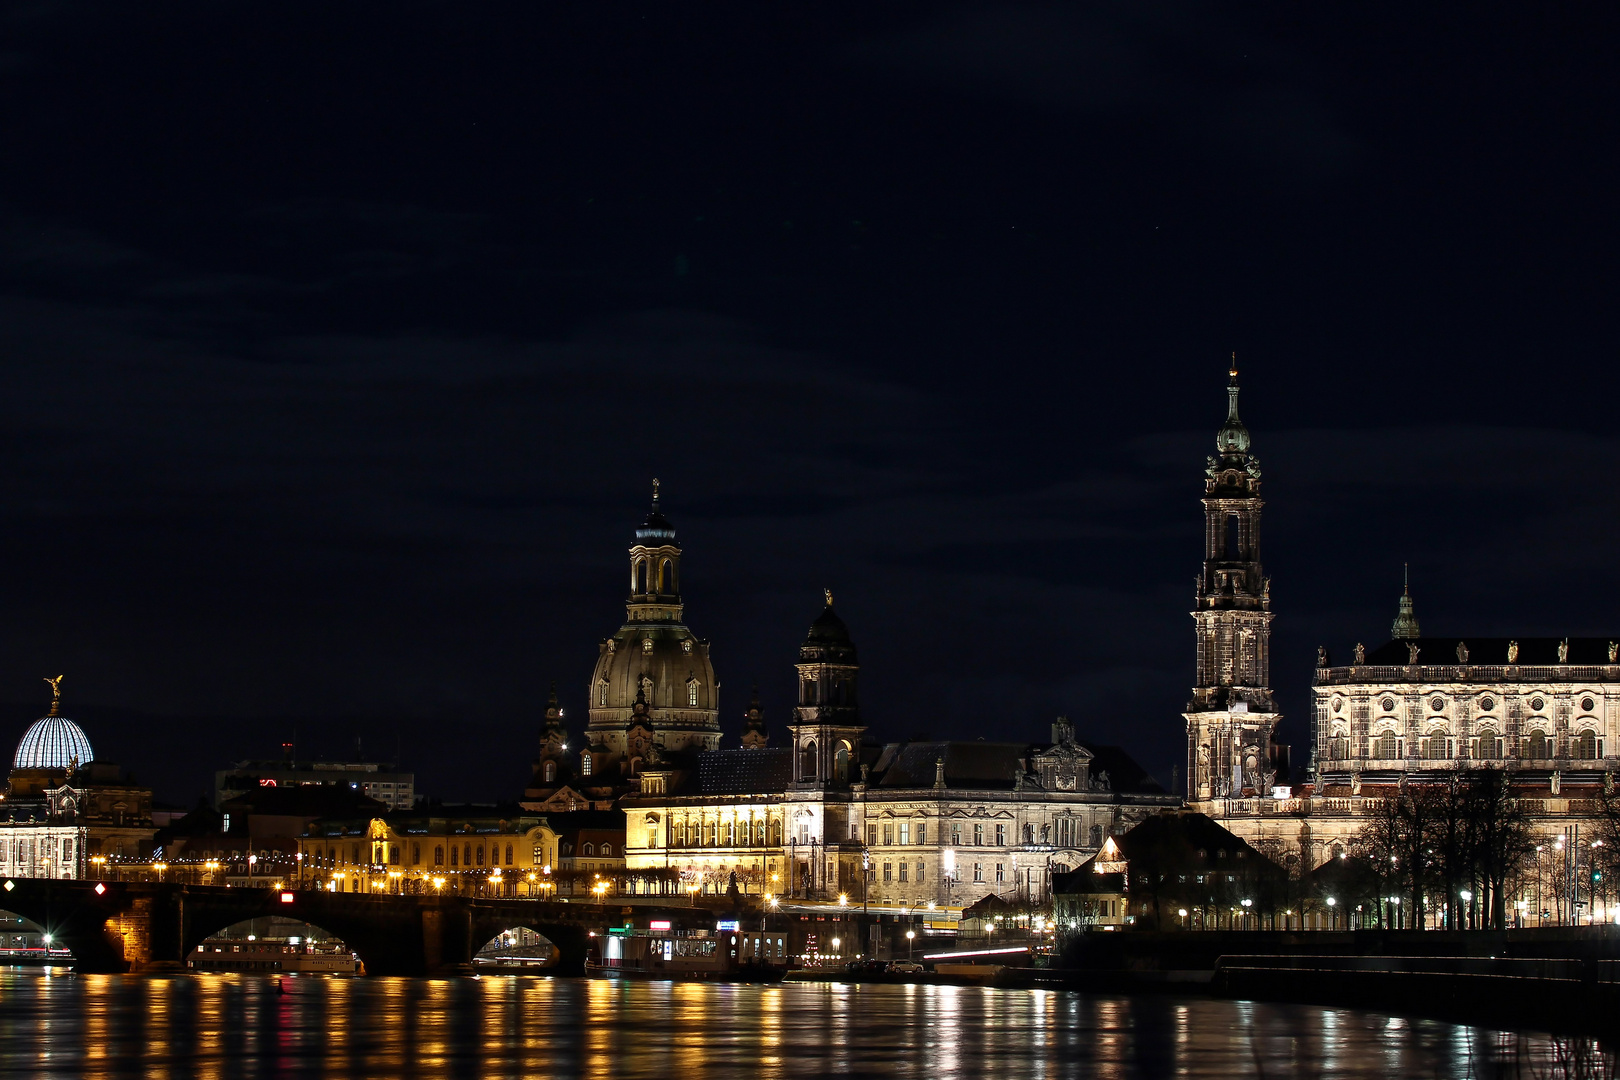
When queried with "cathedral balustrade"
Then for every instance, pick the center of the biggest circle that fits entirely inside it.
(1467, 673)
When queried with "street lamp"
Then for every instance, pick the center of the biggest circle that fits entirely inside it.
(911, 936)
(1333, 916)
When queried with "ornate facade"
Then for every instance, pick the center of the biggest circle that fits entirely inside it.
(1544, 711)
(899, 825)
(1413, 711)
(1231, 718)
(64, 814)
(653, 691)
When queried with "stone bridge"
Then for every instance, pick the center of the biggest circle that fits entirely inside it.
(133, 927)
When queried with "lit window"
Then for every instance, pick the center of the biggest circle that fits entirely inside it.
(692, 692)
(905, 832)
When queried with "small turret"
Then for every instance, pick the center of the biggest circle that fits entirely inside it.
(1405, 627)
(754, 737)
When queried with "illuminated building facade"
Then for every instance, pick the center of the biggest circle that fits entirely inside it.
(836, 816)
(1543, 712)
(64, 814)
(481, 851)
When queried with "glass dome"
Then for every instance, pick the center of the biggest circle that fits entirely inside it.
(53, 742)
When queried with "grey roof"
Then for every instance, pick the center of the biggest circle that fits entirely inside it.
(745, 772)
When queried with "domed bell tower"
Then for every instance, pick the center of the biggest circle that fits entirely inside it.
(1231, 718)
(653, 683)
(827, 726)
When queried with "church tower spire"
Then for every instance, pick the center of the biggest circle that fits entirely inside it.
(1405, 627)
(1231, 717)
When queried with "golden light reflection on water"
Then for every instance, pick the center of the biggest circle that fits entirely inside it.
(226, 1027)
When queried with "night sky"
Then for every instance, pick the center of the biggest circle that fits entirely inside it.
(339, 345)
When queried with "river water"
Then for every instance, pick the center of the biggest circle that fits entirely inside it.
(237, 1026)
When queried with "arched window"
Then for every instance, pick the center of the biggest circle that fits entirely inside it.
(807, 761)
(466, 854)
(438, 855)
(641, 576)
(692, 692)
(1585, 746)
(1232, 541)
(666, 577)
(1538, 747)
(455, 855)
(1339, 747)
(590, 849)
(416, 854)
(1488, 746)
(607, 849)
(551, 772)
(480, 854)
(841, 762)
(1387, 746)
(601, 692)
(1434, 747)
(508, 854)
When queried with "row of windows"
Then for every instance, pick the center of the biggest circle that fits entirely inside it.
(744, 833)
(1488, 746)
(1068, 834)
(467, 854)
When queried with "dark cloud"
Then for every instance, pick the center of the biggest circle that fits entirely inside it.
(340, 347)
(1188, 68)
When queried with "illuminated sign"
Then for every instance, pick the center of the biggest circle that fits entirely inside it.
(658, 924)
(727, 924)
(267, 783)
(286, 898)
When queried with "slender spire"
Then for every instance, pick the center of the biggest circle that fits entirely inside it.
(1233, 438)
(1405, 626)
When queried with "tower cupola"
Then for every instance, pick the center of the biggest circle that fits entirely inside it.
(1405, 627)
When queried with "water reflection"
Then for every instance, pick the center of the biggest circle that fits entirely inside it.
(202, 1027)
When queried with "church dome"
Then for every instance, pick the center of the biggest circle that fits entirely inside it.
(828, 629)
(828, 639)
(53, 742)
(654, 668)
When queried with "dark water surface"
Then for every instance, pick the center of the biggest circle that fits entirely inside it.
(229, 1026)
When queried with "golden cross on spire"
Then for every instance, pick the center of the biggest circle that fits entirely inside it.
(655, 489)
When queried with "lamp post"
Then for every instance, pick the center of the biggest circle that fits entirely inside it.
(1333, 916)
(911, 936)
